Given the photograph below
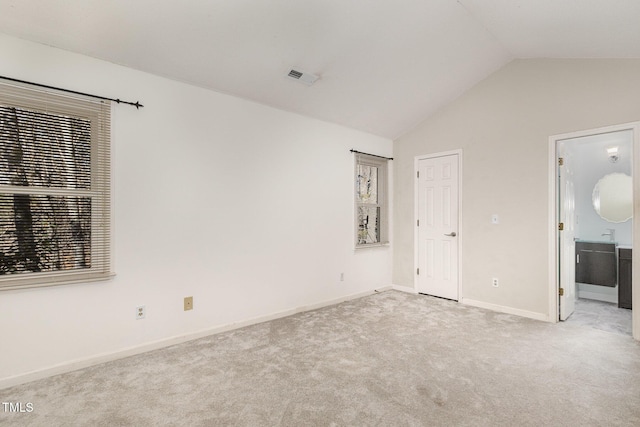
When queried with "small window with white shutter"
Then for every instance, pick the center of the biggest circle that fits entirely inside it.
(371, 201)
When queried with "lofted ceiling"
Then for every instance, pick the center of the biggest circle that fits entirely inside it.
(384, 65)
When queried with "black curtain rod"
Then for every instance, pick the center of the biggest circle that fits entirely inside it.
(374, 155)
(135, 104)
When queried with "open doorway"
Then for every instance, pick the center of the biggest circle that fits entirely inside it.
(593, 228)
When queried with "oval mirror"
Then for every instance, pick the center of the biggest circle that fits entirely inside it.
(613, 197)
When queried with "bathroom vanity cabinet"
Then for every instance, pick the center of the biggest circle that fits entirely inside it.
(624, 278)
(596, 263)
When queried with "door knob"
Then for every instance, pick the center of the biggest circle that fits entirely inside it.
(452, 234)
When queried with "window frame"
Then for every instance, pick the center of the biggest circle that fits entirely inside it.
(382, 164)
(98, 113)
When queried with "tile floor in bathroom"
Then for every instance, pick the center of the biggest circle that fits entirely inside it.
(602, 315)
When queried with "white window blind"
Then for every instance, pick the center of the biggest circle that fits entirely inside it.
(55, 196)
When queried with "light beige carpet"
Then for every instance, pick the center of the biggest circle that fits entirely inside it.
(391, 359)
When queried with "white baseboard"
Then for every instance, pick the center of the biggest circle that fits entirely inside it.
(407, 289)
(505, 309)
(74, 365)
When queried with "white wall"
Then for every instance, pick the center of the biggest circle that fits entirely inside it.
(246, 208)
(503, 126)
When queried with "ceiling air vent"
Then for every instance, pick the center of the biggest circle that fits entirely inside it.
(295, 74)
(304, 78)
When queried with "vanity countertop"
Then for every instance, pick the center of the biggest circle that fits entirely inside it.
(618, 245)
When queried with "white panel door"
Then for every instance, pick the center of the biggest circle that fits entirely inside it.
(566, 239)
(438, 191)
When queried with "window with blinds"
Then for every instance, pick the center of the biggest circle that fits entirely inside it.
(371, 201)
(55, 176)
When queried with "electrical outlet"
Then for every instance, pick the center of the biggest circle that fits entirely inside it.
(141, 312)
(494, 282)
(188, 303)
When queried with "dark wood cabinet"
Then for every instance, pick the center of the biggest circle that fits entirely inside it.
(596, 263)
(624, 278)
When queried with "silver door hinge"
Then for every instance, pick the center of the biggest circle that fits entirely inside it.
(561, 226)
(418, 223)
(560, 161)
(418, 271)
(418, 174)
(561, 292)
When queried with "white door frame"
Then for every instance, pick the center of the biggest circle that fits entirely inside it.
(553, 219)
(416, 214)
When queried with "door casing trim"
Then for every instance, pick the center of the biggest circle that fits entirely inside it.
(554, 267)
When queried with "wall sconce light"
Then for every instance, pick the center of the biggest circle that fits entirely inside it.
(613, 154)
